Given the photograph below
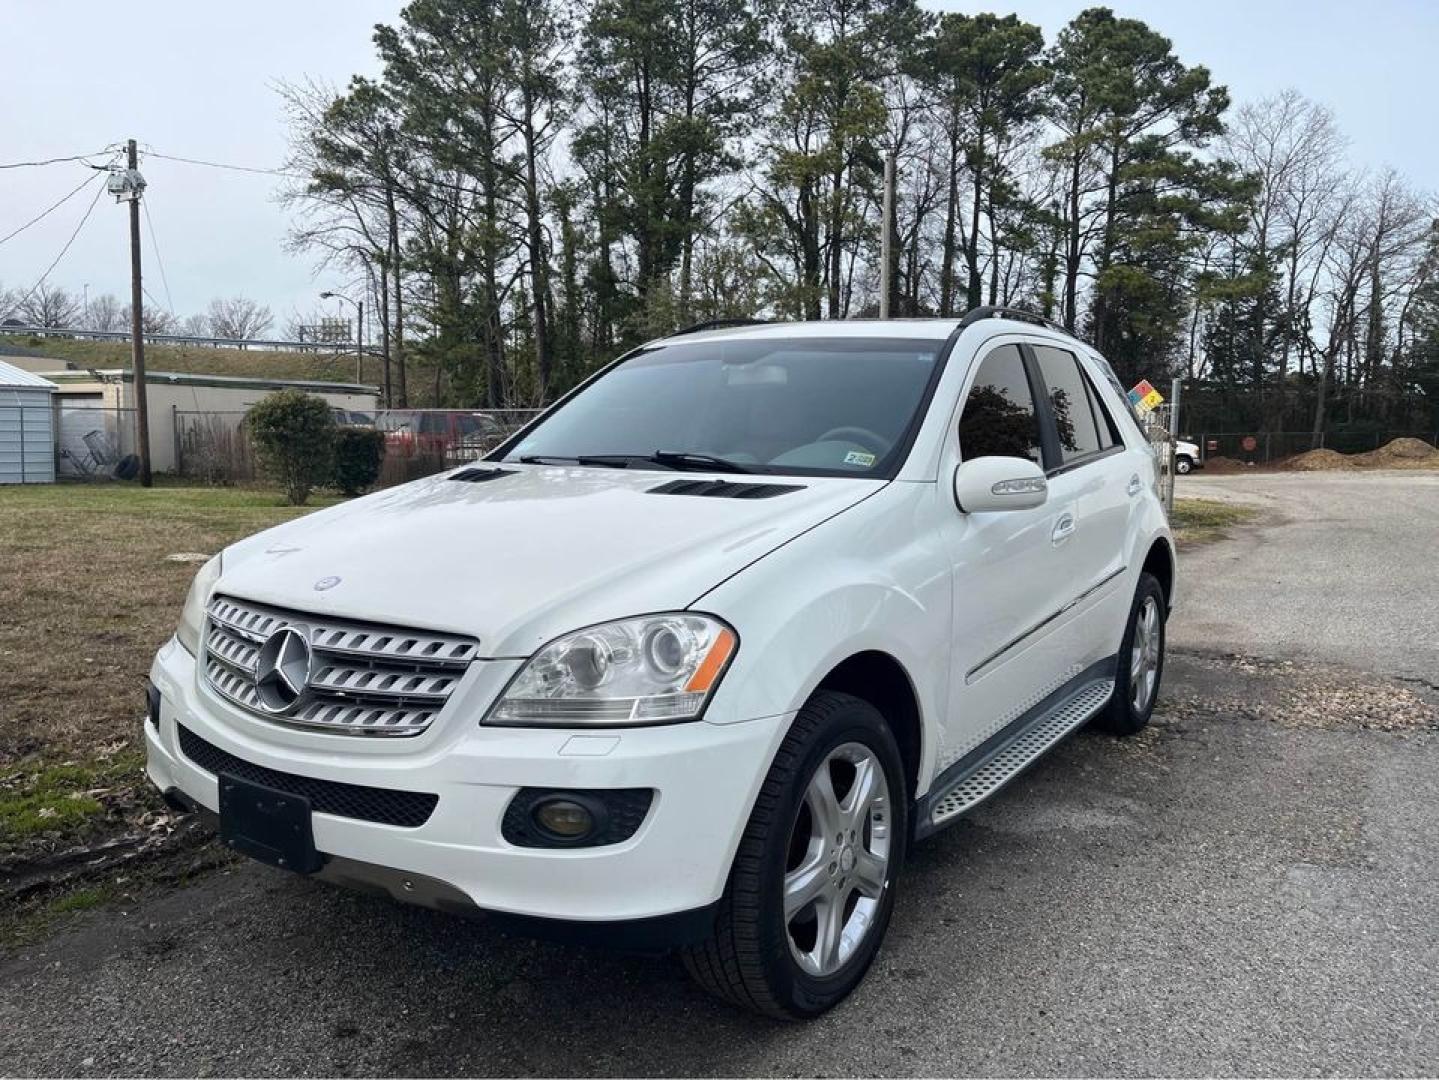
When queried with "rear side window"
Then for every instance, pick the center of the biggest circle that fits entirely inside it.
(999, 418)
(1108, 433)
(1118, 387)
(1069, 398)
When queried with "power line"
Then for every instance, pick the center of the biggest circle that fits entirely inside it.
(155, 247)
(223, 165)
(51, 161)
(34, 288)
(52, 208)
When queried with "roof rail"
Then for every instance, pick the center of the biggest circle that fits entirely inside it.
(718, 324)
(1018, 314)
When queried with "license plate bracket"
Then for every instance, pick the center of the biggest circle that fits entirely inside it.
(268, 825)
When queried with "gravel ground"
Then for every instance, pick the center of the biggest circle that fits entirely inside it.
(1248, 887)
(1339, 567)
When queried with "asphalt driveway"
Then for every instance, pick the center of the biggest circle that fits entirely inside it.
(1339, 567)
(1250, 886)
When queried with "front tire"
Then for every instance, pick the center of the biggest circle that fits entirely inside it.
(812, 886)
(1141, 662)
(1183, 465)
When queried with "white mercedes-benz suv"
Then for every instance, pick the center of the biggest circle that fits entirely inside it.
(694, 658)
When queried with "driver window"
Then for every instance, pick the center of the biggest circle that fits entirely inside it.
(999, 417)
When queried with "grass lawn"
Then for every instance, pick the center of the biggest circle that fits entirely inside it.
(1197, 521)
(86, 596)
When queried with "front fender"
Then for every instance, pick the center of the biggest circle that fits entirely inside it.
(824, 597)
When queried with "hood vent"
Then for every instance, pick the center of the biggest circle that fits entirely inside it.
(724, 489)
(477, 475)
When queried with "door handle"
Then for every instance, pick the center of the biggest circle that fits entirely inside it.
(1134, 485)
(1063, 528)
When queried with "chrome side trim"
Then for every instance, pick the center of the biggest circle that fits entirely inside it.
(989, 661)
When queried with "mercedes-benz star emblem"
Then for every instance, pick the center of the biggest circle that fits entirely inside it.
(282, 669)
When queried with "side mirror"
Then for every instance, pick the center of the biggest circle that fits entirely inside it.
(999, 483)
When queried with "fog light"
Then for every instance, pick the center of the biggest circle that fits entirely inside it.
(564, 818)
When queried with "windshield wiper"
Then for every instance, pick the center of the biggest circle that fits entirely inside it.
(685, 459)
(679, 460)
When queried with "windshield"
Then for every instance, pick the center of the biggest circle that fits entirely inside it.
(809, 406)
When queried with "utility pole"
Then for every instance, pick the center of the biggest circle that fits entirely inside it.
(136, 185)
(886, 241)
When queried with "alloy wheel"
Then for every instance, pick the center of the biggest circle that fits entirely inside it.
(1144, 655)
(838, 859)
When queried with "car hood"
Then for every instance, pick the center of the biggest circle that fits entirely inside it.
(518, 560)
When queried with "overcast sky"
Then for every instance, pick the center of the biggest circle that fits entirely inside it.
(197, 80)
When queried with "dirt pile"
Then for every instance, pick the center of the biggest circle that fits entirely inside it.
(1400, 454)
(1318, 461)
(1220, 463)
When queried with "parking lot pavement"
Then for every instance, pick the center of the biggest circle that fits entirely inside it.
(1339, 567)
(1245, 888)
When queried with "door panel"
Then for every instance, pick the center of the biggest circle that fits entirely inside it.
(1010, 645)
(1095, 477)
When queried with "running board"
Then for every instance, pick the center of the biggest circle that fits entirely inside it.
(993, 767)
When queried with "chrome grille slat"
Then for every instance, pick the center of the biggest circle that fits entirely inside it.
(365, 679)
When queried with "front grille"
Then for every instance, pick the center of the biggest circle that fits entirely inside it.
(364, 679)
(407, 809)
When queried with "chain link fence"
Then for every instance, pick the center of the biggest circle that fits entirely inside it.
(215, 448)
(1268, 447)
(91, 440)
(1155, 425)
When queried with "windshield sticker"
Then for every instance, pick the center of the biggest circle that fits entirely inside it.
(859, 457)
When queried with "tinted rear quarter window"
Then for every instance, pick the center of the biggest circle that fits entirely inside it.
(1069, 398)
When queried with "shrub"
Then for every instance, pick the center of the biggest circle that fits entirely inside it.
(359, 452)
(294, 436)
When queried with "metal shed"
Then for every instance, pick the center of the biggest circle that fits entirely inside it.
(27, 427)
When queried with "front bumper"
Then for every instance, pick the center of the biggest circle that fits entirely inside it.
(705, 777)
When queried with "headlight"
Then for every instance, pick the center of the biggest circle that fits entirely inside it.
(192, 619)
(656, 669)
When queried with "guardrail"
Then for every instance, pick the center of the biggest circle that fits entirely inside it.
(188, 339)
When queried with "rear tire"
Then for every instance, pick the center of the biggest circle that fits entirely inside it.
(1140, 664)
(763, 955)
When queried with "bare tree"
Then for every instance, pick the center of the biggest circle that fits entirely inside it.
(105, 313)
(153, 320)
(1293, 149)
(197, 325)
(238, 317)
(50, 306)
